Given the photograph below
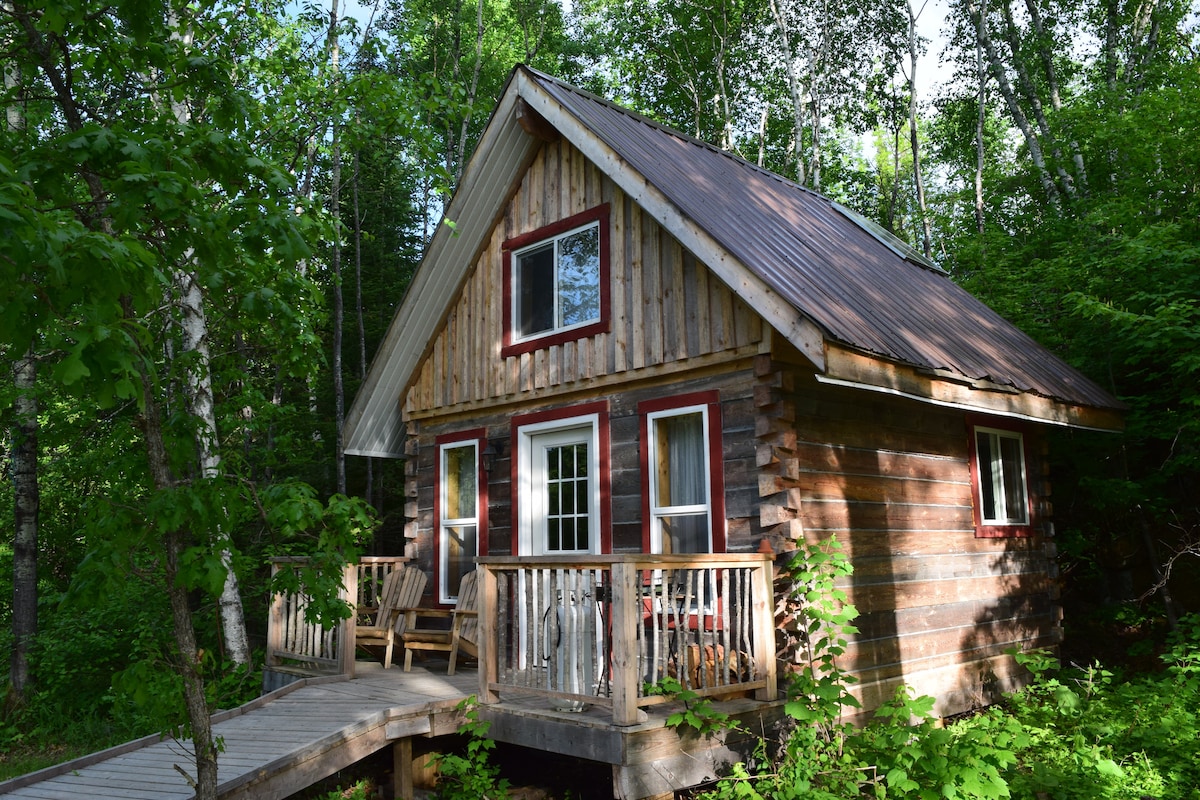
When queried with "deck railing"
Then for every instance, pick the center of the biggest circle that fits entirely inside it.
(294, 640)
(605, 630)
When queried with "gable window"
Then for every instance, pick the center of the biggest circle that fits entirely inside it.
(556, 283)
(1001, 483)
(462, 501)
(683, 489)
(560, 475)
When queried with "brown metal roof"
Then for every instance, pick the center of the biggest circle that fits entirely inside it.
(828, 266)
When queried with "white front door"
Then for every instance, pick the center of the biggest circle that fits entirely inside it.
(559, 491)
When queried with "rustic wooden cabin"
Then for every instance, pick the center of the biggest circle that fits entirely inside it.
(631, 347)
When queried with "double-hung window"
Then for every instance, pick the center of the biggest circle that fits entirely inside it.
(1002, 493)
(556, 283)
(683, 488)
(461, 513)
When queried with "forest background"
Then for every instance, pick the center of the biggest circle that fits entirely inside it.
(209, 211)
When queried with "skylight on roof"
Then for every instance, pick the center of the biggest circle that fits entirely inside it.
(888, 239)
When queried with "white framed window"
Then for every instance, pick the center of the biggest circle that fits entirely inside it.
(679, 480)
(1002, 484)
(559, 487)
(459, 515)
(556, 283)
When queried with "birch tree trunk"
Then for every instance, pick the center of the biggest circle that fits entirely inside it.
(914, 138)
(26, 503)
(24, 466)
(980, 119)
(795, 87)
(979, 18)
(198, 390)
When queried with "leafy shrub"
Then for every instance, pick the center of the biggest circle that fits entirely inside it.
(1071, 735)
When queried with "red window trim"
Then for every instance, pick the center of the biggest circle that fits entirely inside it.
(716, 462)
(600, 409)
(991, 531)
(598, 214)
(479, 437)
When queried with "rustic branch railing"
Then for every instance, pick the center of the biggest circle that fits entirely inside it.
(293, 640)
(599, 630)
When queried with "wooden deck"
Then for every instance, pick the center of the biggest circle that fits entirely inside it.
(274, 746)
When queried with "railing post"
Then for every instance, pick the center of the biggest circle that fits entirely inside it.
(763, 590)
(625, 619)
(275, 624)
(486, 603)
(346, 645)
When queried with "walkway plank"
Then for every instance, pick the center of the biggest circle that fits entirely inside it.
(274, 746)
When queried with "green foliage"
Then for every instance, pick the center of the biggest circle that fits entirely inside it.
(819, 690)
(470, 774)
(1070, 735)
(698, 712)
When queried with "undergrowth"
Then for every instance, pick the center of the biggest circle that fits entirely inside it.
(1075, 734)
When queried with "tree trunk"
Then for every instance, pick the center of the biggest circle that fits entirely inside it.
(979, 18)
(335, 210)
(358, 311)
(472, 90)
(24, 466)
(198, 388)
(795, 88)
(198, 383)
(175, 541)
(1034, 99)
(980, 119)
(25, 523)
(914, 139)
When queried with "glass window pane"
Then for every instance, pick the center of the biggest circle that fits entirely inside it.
(460, 476)
(461, 547)
(987, 476)
(535, 290)
(681, 460)
(1013, 479)
(686, 533)
(582, 541)
(553, 540)
(579, 276)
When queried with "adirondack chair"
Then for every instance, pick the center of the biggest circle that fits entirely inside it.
(462, 634)
(402, 589)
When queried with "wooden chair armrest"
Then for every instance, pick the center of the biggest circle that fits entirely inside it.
(427, 612)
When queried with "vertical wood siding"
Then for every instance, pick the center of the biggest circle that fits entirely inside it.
(666, 307)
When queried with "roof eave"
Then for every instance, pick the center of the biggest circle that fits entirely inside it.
(846, 367)
(374, 423)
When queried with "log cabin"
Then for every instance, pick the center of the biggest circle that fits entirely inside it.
(626, 343)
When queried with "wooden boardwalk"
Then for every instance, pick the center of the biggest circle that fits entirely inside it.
(274, 746)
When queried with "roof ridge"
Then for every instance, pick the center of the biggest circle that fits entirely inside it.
(667, 129)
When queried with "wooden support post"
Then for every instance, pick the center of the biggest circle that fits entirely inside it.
(274, 624)
(346, 633)
(402, 768)
(764, 629)
(488, 666)
(625, 619)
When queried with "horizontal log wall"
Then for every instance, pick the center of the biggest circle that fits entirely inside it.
(666, 307)
(890, 479)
